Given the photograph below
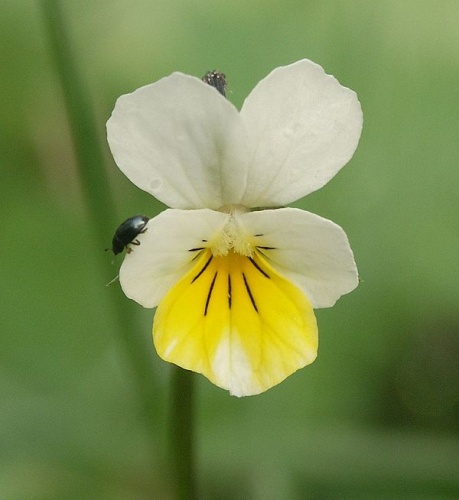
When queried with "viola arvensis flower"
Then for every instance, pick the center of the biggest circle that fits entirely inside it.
(235, 284)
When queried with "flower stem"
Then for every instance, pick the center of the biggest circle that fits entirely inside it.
(98, 201)
(181, 434)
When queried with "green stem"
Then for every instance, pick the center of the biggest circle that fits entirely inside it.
(98, 200)
(181, 434)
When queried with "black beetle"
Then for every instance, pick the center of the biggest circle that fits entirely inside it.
(127, 233)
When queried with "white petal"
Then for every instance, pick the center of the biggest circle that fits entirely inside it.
(166, 252)
(311, 251)
(181, 141)
(303, 127)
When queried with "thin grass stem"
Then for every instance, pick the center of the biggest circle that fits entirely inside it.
(98, 201)
(181, 434)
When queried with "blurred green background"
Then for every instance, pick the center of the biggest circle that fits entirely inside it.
(377, 415)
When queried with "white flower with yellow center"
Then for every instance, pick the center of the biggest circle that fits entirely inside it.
(236, 287)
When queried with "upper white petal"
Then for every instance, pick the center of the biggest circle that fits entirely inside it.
(181, 141)
(166, 252)
(303, 127)
(313, 252)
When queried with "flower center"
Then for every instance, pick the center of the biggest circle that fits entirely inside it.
(232, 237)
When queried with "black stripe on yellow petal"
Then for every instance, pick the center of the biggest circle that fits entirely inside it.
(210, 293)
(247, 287)
(229, 291)
(203, 269)
(264, 273)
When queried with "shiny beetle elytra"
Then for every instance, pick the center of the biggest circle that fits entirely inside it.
(127, 233)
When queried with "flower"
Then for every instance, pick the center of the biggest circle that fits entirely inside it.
(235, 285)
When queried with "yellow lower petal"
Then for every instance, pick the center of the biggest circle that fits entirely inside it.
(237, 321)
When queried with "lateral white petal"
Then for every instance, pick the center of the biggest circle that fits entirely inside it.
(303, 127)
(167, 250)
(313, 252)
(181, 141)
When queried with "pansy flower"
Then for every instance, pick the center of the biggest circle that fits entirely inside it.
(234, 274)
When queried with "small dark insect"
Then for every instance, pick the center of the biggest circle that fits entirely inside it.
(127, 233)
(216, 79)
